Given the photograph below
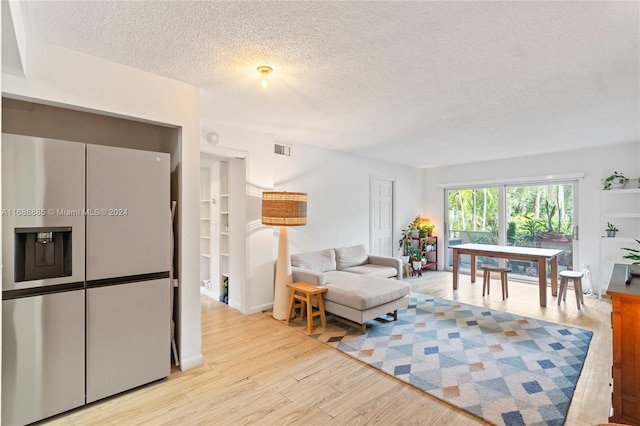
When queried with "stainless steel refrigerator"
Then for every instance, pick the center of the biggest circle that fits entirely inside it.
(85, 285)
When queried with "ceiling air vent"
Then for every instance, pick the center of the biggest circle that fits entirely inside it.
(283, 150)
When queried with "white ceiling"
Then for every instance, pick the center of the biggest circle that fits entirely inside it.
(416, 83)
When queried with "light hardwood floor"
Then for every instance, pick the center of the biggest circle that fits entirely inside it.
(260, 371)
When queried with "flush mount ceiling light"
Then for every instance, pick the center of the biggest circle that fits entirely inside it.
(264, 80)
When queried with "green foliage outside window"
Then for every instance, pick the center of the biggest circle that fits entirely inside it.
(533, 213)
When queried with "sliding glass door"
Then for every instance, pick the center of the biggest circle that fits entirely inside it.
(541, 216)
(473, 217)
(526, 215)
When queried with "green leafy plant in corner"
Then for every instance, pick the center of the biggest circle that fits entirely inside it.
(611, 227)
(633, 254)
(617, 178)
(405, 242)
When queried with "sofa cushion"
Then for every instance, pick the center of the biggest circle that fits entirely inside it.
(373, 270)
(322, 261)
(363, 291)
(347, 257)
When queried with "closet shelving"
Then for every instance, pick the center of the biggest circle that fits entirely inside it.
(620, 207)
(224, 232)
(214, 229)
(205, 227)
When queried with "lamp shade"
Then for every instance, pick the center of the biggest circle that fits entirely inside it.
(284, 208)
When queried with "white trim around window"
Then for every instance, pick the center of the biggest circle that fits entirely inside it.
(524, 180)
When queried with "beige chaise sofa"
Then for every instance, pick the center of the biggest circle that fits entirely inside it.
(359, 287)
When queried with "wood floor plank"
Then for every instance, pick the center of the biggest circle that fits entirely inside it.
(261, 371)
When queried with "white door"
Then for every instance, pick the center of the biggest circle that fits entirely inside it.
(381, 206)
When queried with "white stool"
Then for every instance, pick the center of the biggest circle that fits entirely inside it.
(486, 279)
(576, 277)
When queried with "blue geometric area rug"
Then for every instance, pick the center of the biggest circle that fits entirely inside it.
(504, 368)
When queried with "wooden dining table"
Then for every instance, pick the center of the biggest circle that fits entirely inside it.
(530, 254)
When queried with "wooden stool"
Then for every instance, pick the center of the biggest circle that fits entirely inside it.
(304, 292)
(486, 279)
(576, 276)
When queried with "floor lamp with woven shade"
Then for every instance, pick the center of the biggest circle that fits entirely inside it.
(283, 209)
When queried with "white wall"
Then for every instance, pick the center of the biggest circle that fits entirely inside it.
(60, 77)
(338, 208)
(337, 185)
(595, 163)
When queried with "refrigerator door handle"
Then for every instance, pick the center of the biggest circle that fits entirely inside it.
(127, 279)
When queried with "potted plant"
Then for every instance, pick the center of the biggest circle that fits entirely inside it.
(416, 258)
(611, 230)
(429, 230)
(634, 256)
(404, 244)
(615, 181)
(429, 245)
(414, 227)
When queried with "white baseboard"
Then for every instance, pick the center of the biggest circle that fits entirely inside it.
(193, 362)
(234, 305)
(261, 308)
(211, 294)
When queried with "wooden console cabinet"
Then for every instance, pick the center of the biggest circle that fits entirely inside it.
(625, 317)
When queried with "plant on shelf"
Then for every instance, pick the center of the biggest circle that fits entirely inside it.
(428, 230)
(415, 228)
(616, 180)
(418, 228)
(416, 258)
(429, 245)
(611, 230)
(415, 253)
(415, 224)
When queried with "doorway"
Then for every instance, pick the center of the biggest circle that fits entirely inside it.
(381, 216)
(222, 228)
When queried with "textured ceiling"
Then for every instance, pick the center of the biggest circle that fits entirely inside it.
(417, 83)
